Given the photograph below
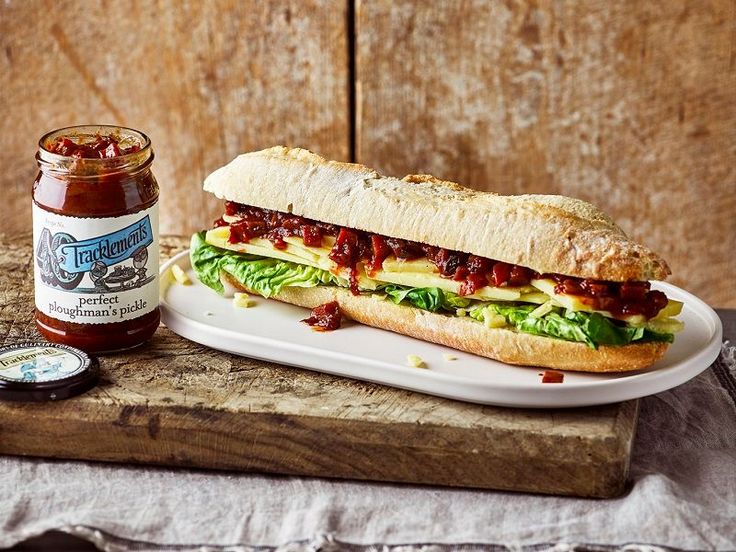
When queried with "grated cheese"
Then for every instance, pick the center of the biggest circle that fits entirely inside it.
(180, 276)
(242, 300)
(415, 361)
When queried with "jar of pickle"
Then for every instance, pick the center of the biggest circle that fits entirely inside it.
(95, 238)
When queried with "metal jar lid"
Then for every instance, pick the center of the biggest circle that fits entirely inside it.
(44, 372)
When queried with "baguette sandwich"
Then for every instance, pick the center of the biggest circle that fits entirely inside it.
(532, 279)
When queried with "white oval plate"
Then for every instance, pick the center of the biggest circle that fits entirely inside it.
(271, 330)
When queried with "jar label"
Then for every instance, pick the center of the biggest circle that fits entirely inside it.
(95, 270)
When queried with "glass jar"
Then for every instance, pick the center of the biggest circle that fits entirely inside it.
(95, 238)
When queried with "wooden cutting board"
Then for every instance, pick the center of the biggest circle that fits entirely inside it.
(176, 403)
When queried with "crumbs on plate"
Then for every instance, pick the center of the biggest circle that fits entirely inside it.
(415, 361)
(180, 276)
(242, 300)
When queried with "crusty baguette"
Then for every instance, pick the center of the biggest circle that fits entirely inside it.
(465, 334)
(549, 234)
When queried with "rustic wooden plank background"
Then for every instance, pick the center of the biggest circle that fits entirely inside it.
(630, 105)
(205, 80)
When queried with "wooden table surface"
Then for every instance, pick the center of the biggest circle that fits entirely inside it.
(174, 402)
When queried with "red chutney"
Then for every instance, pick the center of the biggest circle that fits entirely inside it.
(95, 211)
(550, 376)
(618, 298)
(353, 246)
(325, 318)
(101, 147)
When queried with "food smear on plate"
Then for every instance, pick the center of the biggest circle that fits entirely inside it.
(550, 376)
(325, 318)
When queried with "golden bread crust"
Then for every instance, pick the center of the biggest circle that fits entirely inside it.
(549, 234)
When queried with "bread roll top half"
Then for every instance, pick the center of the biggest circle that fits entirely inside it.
(547, 233)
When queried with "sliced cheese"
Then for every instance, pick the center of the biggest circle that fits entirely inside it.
(298, 244)
(294, 246)
(417, 280)
(300, 255)
(256, 246)
(672, 308)
(574, 303)
(417, 273)
(534, 297)
(571, 302)
(364, 282)
(543, 309)
(634, 319)
(425, 279)
(392, 264)
(219, 234)
(665, 325)
(498, 293)
(423, 273)
(494, 320)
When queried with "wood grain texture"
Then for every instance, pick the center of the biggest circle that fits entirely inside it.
(205, 80)
(629, 105)
(174, 402)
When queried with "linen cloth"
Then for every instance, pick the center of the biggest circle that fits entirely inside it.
(682, 496)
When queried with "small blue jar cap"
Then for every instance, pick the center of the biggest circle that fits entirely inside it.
(44, 372)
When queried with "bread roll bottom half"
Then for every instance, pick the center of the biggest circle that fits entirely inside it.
(465, 334)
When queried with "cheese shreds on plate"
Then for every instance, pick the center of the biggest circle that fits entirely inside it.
(180, 276)
(415, 361)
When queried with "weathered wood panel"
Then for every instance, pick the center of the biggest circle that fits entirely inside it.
(174, 402)
(630, 105)
(205, 80)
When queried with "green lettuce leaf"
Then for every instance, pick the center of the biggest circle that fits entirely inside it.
(205, 260)
(263, 275)
(592, 329)
(554, 325)
(430, 299)
(603, 331)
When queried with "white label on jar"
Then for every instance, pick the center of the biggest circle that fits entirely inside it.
(95, 270)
